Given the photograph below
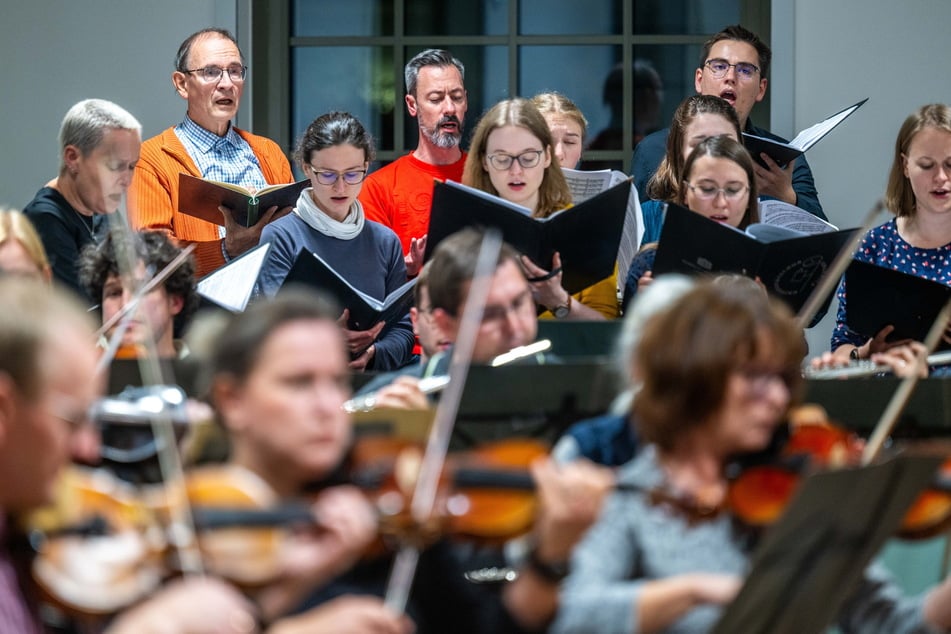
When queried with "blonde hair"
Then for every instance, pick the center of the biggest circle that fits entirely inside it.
(553, 195)
(557, 103)
(14, 225)
(899, 196)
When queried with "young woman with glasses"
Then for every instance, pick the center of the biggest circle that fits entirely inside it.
(335, 152)
(718, 182)
(511, 156)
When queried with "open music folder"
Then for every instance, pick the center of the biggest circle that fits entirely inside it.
(811, 561)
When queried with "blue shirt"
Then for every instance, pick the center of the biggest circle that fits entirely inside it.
(227, 158)
(650, 151)
(884, 247)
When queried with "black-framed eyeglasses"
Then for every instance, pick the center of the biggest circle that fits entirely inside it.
(527, 159)
(719, 68)
(213, 74)
(329, 177)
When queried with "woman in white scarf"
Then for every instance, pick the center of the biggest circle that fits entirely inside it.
(335, 153)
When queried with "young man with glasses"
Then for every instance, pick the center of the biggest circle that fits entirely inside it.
(400, 194)
(734, 64)
(209, 73)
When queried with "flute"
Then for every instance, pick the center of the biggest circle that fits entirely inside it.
(434, 384)
(867, 367)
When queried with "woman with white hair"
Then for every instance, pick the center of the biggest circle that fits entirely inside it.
(99, 145)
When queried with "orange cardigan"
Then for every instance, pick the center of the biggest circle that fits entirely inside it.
(153, 194)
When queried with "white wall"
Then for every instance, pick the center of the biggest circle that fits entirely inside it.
(56, 53)
(893, 52)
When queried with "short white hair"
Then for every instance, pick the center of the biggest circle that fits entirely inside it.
(85, 124)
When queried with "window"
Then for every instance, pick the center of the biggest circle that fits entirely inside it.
(319, 55)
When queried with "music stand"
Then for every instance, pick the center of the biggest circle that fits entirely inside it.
(808, 563)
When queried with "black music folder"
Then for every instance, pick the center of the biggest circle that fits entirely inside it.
(877, 297)
(811, 561)
(231, 286)
(586, 235)
(781, 152)
(365, 311)
(789, 263)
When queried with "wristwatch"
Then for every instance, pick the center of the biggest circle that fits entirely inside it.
(555, 572)
(854, 354)
(562, 311)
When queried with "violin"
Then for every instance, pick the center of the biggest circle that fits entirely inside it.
(106, 544)
(758, 494)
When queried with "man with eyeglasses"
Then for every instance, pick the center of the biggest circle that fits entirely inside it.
(400, 194)
(734, 64)
(209, 74)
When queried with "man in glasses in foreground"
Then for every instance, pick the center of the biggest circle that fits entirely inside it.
(734, 64)
(209, 74)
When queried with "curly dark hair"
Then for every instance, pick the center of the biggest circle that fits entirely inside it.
(154, 249)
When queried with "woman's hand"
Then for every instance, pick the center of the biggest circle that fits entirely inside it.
(547, 290)
(905, 360)
(645, 280)
(359, 342)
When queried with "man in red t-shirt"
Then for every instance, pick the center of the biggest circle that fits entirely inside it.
(400, 194)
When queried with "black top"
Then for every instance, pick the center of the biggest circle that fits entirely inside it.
(64, 232)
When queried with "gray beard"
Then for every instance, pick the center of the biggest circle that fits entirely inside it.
(442, 140)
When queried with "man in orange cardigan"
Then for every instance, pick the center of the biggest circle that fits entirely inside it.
(209, 74)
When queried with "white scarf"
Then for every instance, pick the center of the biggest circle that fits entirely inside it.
(310, 213)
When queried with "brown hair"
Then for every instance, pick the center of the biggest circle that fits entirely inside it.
(666, 182)
(899, 197)
(553, 195)
(726, 148)
(453, 266)
(688, 352)
(740, 34)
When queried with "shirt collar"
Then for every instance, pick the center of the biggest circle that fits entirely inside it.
(204, 140)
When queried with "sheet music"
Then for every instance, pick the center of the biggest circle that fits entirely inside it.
(585, 184)
(808, 137)
(782, 214)
(231, 285)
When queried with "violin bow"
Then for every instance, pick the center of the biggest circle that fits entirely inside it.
(424, 495)
(182, 527)
(841, 262)
(886, 424)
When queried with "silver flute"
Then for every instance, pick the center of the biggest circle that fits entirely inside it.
(867, 367)
(433, 384)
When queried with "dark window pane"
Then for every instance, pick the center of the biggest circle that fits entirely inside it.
(357, 79)
(581, 74)
(684, 17)
(562, 17)
(311, 18)
(428, 17)
(673, 65)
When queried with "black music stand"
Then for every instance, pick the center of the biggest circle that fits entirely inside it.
(858, 404)
(572, 339)
(809, 563)
(531, 400)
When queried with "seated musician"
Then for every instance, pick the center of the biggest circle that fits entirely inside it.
(720, 369)
(917, 241)
(279, 381)
(162, 312)
(47, 382)
(509, 320)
